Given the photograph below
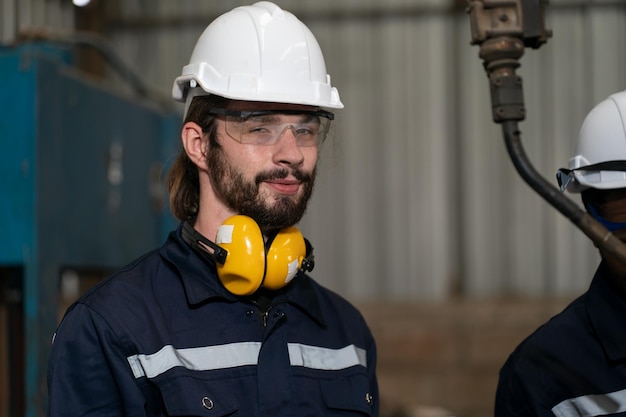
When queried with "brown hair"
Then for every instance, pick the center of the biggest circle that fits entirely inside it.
(182, 179)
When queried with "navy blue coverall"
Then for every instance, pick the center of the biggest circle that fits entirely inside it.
(575, 364)
(163, 337)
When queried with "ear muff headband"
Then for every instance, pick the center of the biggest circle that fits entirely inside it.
(197, 241)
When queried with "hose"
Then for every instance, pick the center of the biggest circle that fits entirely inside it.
(583, 220)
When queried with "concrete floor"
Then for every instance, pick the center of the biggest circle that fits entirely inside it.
(443, 359)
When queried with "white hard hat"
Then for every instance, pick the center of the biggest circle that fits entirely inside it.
(258, 53)
(600, 160)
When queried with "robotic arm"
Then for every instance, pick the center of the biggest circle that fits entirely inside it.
(502, 29)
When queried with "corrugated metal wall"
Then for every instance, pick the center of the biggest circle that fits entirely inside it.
(19, 15)
(417, 198)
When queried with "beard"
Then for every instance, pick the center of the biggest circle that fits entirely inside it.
(243, 197)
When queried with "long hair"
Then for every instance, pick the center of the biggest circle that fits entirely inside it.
(182, 179)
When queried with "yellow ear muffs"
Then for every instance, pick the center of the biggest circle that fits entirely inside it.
(284, 258)
(248, 265)
(243, 270)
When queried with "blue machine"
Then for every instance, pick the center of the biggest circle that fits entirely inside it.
(81, 172)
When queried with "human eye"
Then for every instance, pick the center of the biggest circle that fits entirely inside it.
(306, 135)
(304, 131)
(258, 129)
(257, 125)
(307, 129)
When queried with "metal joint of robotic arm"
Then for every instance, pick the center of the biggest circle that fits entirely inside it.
(503, 28)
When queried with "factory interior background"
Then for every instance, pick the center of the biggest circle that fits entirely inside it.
(418, 217)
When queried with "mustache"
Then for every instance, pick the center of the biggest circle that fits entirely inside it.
(281, 173)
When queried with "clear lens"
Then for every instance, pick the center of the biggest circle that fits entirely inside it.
(266, 128)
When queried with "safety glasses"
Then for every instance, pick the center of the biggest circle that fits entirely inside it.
(565, 176)
(267, 127)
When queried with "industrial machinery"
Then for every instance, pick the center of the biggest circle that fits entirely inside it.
(503, 28)
(81, 194)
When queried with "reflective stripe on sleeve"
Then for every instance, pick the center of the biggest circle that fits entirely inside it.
(242, 354)
(197, 359)
(315, 357)
(592, 405)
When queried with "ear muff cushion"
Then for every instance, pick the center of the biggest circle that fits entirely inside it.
(242, 272)
(284, 258)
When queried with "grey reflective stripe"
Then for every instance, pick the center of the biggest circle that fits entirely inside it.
(197, 359)
(242, 354)
(592, 405)
(315, 357)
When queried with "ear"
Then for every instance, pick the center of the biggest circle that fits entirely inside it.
(194, 142)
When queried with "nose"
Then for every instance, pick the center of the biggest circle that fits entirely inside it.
(287, 149)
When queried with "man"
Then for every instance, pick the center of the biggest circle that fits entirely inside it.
(222, 320)
(575, 364)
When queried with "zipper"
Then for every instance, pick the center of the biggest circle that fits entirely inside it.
(266, 313)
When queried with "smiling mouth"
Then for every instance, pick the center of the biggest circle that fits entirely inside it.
(284, 186)
(283, 181)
